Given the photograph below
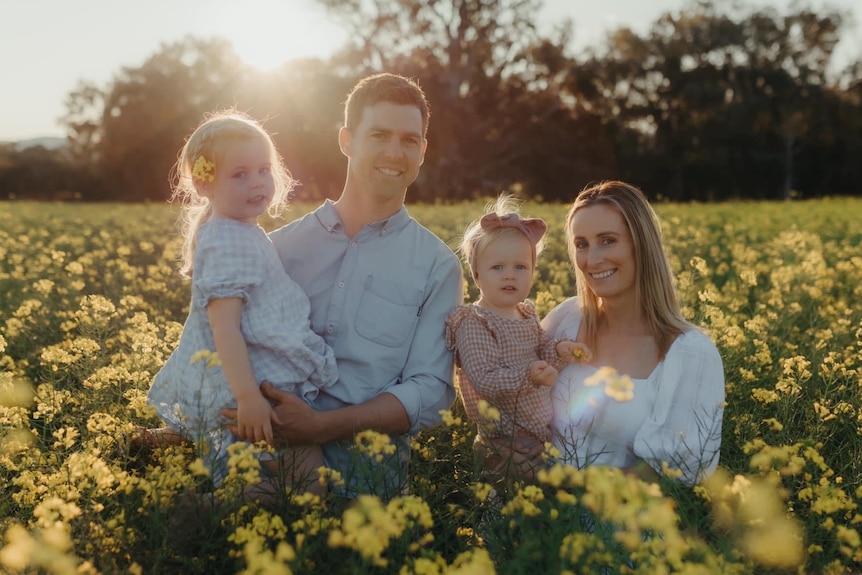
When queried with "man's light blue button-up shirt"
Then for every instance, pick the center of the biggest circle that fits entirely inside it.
(380, 300)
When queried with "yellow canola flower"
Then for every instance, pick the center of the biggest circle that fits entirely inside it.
(579, 353)
(203, 170)
(15, 392)
(368, 527)
(210, 357)
(617, 386)
(329, 476)
(561, 475)
(753, 509)
(198, 468)
(449, 420)
(44, 551)
(773, 424)
(374, 444)
(488, 412)
(65, 437)
(482, 490)
(200, 355)
(668, 471)
(476, 561)
(587, 550)
(525, 501)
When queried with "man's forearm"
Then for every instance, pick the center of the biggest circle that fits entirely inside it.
(383, 413)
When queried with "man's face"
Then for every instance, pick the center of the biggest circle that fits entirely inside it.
(385, 150)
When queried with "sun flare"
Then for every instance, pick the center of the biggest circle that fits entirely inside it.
(267, 33)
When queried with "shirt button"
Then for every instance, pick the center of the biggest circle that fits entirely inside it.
(329, 329)
(341, 284)
(353, 244)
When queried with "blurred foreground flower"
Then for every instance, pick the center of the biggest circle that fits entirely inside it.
(374, 444)
(45, 551)
(752, 511)
(617, 386)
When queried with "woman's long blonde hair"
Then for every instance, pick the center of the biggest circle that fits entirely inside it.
(208, 141)
(655, 293)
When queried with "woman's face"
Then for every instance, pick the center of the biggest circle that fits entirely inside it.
(604, 251)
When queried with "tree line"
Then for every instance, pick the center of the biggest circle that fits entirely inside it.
(714, 102)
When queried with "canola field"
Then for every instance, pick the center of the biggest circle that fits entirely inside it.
(91, 305)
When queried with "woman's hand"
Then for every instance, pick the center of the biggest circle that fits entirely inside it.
(542, 373)
(572, 351)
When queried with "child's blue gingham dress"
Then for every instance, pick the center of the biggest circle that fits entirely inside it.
(236, 259)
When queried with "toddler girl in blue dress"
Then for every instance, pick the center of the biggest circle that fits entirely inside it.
(243, 305)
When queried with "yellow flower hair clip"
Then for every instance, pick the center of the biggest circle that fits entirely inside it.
(203, 170)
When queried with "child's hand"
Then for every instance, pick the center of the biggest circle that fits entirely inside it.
(254, 417)
(541, 373)
(572, 351)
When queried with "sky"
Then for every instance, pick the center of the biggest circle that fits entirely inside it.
(48, 46)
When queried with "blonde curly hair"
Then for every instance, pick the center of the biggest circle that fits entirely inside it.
(204, 148)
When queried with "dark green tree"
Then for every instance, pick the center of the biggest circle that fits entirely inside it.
(497, 120)
(129, 132)
(709, 104)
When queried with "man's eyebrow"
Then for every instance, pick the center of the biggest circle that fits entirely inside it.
(391, 131)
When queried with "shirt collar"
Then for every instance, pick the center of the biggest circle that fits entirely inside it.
(328, 218)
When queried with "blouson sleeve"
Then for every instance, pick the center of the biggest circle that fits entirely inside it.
(684, 429)
(227, 263)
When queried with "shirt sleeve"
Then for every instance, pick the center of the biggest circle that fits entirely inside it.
(427, 385)
(227, 264)
(684, 429)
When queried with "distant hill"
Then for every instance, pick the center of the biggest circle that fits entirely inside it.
(49, 143)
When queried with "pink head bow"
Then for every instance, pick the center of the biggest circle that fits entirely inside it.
(533, 228)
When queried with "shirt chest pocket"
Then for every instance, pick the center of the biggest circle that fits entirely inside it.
(388, 312)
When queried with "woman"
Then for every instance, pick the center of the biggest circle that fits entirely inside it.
(659, 408)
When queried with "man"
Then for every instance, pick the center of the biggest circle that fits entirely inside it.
(380, 286)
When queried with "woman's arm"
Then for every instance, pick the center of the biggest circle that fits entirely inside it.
(683, 433)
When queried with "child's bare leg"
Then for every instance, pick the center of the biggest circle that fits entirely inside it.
(163, 437)
(143, 441)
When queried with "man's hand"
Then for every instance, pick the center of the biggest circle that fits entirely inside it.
(293, 421)
(542, 373)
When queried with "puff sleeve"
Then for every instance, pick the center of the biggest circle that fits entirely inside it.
(684, 429)
(228, 263)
